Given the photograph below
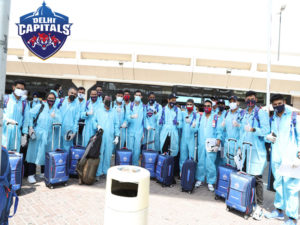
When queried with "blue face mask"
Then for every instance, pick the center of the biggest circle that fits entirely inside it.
(151, 101)
(251, 103)
(137, 98)
(279, 108)
(172, 104)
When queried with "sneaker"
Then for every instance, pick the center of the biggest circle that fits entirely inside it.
(258, 213)
(211, 187)
(290, 222)
(198, 184)
(41, 176)
(97, 178)
(31, 179)
(275, 214)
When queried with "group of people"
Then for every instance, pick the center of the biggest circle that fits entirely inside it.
(219, 135)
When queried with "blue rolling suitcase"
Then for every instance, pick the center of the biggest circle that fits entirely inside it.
(123, 155)
(223, 174)
(56, 164)
(76, 153)
(149, 159)
(188, 172)
(241, 192)
(16, 166)
(165, 170)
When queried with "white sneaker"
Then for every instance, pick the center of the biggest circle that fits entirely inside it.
(31, 179)
(97, 178)
(41, 176)
(198, 184)
(211, 187)
(258, 213)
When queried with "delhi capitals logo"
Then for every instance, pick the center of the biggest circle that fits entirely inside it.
(44, 31)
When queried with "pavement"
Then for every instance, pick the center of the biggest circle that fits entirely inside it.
(84, 205)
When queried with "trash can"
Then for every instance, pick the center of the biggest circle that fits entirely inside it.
(127, 196)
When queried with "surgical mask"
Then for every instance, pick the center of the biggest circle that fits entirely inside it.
(50, 102)
(94, 98)
(72, 98)
(232, 105)
(119, 99)
(251, 103)
(207, 109)
(24, 97)
(81, 96)
(99, 93)
(137, 98)
(213, 103)
(190, 108)
(19, 92)
(107, 103)
(279, 108)
(172, 104)
(60, 93)
(35, 99)
(126, 97)
(151, 101)
(221, 108)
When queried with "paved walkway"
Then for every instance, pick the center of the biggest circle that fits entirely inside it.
(82, 205)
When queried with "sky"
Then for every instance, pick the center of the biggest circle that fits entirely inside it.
(237, 24)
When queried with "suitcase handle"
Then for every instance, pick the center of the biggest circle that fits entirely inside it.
(196, 147)
(80, 123)
(250, 146)
(148, 137)
(16, 137)
(231, 156)
(59, 134)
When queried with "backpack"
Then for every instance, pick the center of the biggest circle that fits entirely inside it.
(6, 100)
(243, 112)
(7, 194)
(194, 117)
(60, 103)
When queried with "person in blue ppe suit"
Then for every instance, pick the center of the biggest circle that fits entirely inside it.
(70, 114)
(42, 117)
(119, 107)
(127, 104)
(15, 116)
(215, 108)
(107, 119)
(153, 130)
(99, 93)
(206, 167)
(220, 115)
(135, 118)
(82, 104)
(190, 125)
(170, 121)
(89, 116)
(230, 129)
(58, 92)
(35, 100)
(284, 124)
(254, 126)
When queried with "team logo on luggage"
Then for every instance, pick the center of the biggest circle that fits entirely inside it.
(125, 159)
(150, 160)
(224, 177)
(236, 185)
(44, 31)
(60, 161)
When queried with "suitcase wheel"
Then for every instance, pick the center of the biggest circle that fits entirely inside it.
(18, 192)
(51, 186)
(190, 192)
(172, 185)
(246, 217)
(65, 184)
(228, 209)
(217, 197)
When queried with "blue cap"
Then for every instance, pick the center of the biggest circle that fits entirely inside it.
(233, 97)
(173, 95)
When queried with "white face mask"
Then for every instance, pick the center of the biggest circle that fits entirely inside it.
(119, 99)
(233, 105)
(81, 96)
(35, 99)
(214, 103)
(19, 92)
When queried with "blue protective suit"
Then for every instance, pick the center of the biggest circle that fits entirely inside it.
(108, 120)
(206, 167)
(135, 130)
(90, 127)
(260, 122)
(38, 147)
(57, 98)
(32, 104)
(226, 130)
(151, 121)
(70, 114)
(120, 110)
(287, 188)
(187, 144)
(220, 118)
(17, 110)
(170, 122)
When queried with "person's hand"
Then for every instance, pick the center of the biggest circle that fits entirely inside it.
(194, 124)
(72, 136)
(223, 123)
(235, 123)
(134, 116)
(24, 140)
(31, 131)
(124, 125)
(91, 112)
(11, 121)
(248, 128)
(99, 127)
(52, 114)
(215, 148)
(149, 128)
(187, 120)
(116, 141)
(218, 142)
(271, 138)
